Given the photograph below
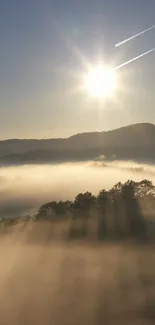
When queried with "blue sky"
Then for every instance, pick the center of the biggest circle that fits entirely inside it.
(41, 48)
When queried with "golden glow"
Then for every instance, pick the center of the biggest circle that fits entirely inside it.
(101, 82)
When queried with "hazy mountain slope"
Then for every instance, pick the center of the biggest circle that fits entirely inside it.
(133, 141)
(137, 134)
(133, 135)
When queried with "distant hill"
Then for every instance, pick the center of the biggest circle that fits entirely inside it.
(135, 141)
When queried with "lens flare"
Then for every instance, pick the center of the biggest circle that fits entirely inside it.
(101, 82)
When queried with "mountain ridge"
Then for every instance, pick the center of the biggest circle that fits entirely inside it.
(126, 142)
(144, 124)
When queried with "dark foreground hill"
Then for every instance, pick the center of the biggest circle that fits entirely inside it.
(135, 142)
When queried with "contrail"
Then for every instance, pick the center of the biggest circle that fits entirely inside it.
(134, 36)
(134, 59)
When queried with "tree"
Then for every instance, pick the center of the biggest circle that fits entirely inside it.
(84, 202)
(102, 205)
(145, 188)
(53, 209)
(102, 198)
(130, 192)
(117, 187)
(141, 189)
(117, 222)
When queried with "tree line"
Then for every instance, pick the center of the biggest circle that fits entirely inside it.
(120, 212)
(115, 213)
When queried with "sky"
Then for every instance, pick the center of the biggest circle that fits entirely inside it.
(45, 47)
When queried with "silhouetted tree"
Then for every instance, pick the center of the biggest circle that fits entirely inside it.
(141, 189)
(83, 204)
(102, 207)
(84, 201)
(117, 187)
(133, 211)
(53, 209)
(115, 209)
(144, 188)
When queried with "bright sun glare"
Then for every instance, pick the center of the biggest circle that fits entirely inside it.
(101, 82)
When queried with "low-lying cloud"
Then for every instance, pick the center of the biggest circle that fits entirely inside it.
(24, 188)
(129, 166)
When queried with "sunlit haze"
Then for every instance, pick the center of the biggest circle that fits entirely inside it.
(24, 188)
(77, 162)
(46, 49)
(101, 82)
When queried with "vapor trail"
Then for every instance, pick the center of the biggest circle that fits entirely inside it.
(134, 36)
(134, 59)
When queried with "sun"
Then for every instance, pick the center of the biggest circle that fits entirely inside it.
(101, 82)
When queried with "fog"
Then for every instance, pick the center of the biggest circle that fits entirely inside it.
(24, 188)
(73, 284)
(58, 281)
